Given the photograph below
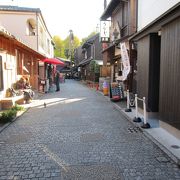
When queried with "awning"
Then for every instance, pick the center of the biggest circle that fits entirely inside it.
(53, 61)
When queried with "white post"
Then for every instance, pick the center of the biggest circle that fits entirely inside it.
(136, 105)
(144, 109)
(127, 99)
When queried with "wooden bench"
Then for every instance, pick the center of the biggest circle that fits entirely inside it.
(7, 103)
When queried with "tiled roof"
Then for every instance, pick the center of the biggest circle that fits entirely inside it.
(90, 41)
(109, 9)
(17, 8)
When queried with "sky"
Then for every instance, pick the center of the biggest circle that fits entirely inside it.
(81, 16)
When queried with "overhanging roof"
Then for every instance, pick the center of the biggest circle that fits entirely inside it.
(85, 61)
(109, 9)
(90, 41)
(17, 8)
(18, 42)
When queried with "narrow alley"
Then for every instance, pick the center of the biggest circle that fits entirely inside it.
(79, 135)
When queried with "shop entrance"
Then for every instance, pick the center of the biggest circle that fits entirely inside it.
(154, 72)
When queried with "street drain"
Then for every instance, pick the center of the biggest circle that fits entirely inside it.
(134, 129)
(94, 172)
(175, 146)
(162, 159)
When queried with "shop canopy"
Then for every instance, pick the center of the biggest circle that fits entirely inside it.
(53, 61)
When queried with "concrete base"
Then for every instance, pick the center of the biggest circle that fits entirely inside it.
(175, 132)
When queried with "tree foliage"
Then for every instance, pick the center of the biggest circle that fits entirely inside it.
(59, 47)
(65, 48)
(89, 36)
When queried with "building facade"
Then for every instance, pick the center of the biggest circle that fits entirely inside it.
(92, 56)
(122, 18)
(158, 54)
(28, 25)
(16, 60)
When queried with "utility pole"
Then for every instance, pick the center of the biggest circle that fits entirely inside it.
(71, 47)
(105, 4)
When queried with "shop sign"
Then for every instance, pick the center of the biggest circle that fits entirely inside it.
(104, 31)
(125, 61)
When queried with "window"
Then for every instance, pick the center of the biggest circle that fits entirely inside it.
(85, 54)
(41, 37)
(1, 74)
(124, 29)
(48, 46)
(31, 27)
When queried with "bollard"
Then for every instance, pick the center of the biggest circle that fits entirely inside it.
(128, 109)
(136, 119)
(145, 125)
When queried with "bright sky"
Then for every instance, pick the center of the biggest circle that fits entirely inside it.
(82, 16)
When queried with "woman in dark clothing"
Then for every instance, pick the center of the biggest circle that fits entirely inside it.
(57, 81)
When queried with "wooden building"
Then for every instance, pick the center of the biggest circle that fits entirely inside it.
(91, 50)
(29, 25)
(158, 64)
(122, 15)
(16, 60)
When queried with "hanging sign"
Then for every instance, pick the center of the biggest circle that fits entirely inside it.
(104, 31)
(125, 61)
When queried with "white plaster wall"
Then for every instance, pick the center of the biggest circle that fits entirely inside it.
(16, 24)
(149, 10)
(44, 50)
(9, 75)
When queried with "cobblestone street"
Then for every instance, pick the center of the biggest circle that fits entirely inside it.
(79, 136)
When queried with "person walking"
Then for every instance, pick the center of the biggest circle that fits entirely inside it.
(57, 81)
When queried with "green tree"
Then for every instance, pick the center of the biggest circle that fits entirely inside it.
(59, 47)
(89, 36)
(69, 47)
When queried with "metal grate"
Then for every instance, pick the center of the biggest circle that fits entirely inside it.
(134, 129)
(175, 146)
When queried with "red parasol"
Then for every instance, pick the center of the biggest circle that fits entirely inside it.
(53, 61)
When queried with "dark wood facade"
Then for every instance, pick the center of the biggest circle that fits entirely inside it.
(170, 74)
(158, 64)
(123, 25)
(91, 50)
(148, 70)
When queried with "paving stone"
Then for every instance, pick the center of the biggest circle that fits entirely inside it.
(82, 137)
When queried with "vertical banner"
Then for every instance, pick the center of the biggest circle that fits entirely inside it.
(104, 31)
(125, 61)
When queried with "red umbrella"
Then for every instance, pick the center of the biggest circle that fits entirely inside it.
(53, 61)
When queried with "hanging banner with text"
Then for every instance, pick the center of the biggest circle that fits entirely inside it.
(104, 31)
(125, 61)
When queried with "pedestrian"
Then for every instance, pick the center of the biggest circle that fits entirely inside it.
(57, 81)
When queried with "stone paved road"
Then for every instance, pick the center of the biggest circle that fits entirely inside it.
(79, 136)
